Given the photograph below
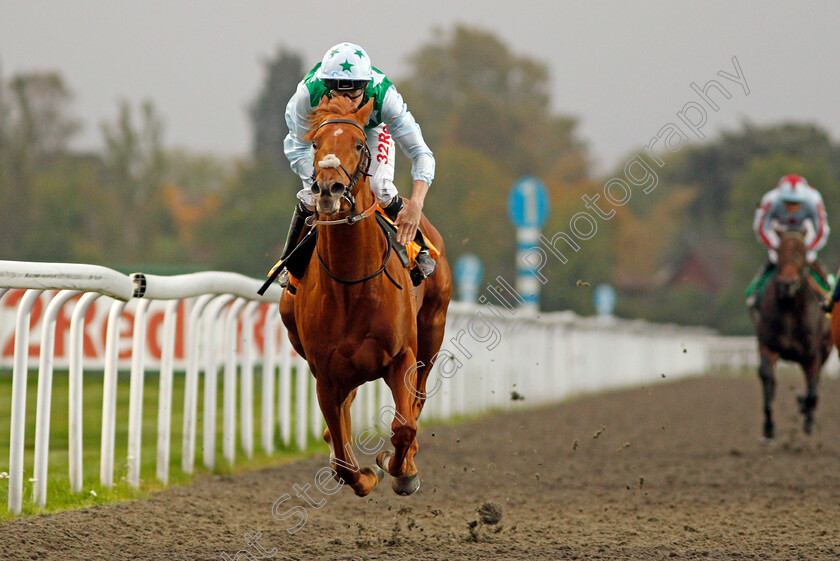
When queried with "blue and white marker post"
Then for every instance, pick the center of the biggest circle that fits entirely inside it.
(604, 300)
(528, 207)
(468, 273)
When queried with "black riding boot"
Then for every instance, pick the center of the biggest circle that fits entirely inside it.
(755, 288)
(296, 228)
(425, 264)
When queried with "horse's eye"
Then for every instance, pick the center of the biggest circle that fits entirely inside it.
(359, 146)
(314, 146)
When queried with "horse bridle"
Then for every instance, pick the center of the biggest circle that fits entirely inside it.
(361, 169)
(792, 286)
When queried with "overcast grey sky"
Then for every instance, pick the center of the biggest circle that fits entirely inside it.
(624, 68)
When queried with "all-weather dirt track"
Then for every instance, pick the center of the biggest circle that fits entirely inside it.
(670, 471)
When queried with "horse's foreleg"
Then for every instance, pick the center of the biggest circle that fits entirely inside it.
(345, 411)
(287, 315)
(808, 402)
(403, 383)
(766, 372)
(343, 460)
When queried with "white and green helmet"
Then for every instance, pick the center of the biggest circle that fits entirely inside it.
(345, 67)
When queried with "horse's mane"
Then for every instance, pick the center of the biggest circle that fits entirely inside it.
(792, 234)
(336, 108)
(792, 240)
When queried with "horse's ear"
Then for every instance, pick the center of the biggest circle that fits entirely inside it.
(365, 110)
(324, 102)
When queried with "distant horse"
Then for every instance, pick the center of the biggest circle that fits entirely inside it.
(835, 322)
(356, 317)
(791, 325)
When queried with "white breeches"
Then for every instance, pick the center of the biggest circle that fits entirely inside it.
(773, 255)
(810, 236)
(382, 157)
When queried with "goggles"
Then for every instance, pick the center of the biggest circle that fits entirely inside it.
(344, 85)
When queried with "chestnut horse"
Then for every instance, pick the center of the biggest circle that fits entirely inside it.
(791, 325)
(356, 317)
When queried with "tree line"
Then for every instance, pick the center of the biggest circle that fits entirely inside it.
(684, 253)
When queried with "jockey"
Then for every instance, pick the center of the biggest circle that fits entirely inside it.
(791, 205)
(346, 71)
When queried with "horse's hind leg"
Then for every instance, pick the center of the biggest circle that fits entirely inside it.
(808, 402)
(431, 324)
(400, 464)
(766, 372)
(335, 405)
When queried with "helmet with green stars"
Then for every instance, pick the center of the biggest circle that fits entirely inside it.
(345, 67)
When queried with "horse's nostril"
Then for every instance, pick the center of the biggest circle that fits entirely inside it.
(316, 188)
(337, 189)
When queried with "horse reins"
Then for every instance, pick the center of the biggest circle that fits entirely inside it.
(381, 269)
(361, 169)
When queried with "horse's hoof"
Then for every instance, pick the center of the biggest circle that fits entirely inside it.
(808, 427)
(768, 431)
(806, 403)
(383, 458)
(407, 485)
(765, 441)
(375, 471)
(403, 486)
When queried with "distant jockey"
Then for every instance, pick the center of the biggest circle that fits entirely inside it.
(791, 205)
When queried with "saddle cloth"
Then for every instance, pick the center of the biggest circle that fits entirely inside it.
(407, 253)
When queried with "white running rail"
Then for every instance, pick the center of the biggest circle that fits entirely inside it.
(496, 359)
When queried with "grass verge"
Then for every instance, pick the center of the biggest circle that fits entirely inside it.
(59, 495)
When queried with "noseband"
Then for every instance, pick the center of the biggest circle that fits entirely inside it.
(361, 169)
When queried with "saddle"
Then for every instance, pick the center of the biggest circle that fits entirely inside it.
(297, 261)
(408, 252)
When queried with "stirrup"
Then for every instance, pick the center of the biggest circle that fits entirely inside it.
(424, 267)
(827, 303)
(285, 280)
(296, 228)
